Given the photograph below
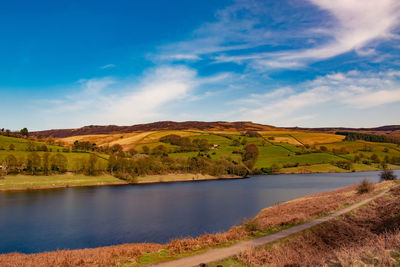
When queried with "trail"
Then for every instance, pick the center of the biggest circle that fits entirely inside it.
(222, 253)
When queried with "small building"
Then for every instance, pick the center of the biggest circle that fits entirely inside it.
(214, 146)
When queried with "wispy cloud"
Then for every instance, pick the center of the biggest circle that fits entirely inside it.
(355, 91)
(344, 26)
(108, 66)
(111, 101)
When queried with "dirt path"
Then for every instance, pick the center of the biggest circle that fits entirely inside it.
(222, 253)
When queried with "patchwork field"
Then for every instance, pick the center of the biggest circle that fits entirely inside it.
(281, 151)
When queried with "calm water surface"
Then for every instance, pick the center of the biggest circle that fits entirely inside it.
(45, 220)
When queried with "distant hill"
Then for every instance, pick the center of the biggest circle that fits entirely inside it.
(158, 126)
(203, 126)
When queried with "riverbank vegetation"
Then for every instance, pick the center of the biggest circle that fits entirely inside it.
(268, 221)
(369, 236)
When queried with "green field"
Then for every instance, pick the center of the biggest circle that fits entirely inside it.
(287, 149)
(75, 159)
(290, 152)
(30, 181)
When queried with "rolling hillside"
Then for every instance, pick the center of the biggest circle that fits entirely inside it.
(281, 150)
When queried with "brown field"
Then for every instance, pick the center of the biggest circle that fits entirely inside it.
(126, 140)
(370, 236)
(101, 139)
(303, 137)
(286, 139)
(267, 221)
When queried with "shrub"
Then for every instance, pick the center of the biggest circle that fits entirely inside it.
(250, 225)
(344, 164)
(323, 148)
(252, 134)
(365, 187)
(387, 175)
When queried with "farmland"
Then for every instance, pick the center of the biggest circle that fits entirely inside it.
(289, 151)
(199, 154)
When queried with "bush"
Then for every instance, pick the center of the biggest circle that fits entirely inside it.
(344, 164)
(365, 187)
(252, 134)
(250, 225)
(388, 175)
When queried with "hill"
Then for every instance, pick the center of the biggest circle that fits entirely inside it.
(209, 148)
(390, 131)
(157, 126)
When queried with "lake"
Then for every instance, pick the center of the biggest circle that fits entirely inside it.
(46, 220)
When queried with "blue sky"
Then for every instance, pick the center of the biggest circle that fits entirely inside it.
(311, 63)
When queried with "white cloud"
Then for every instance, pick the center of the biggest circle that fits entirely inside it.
(111, 101)
(347, 25)
(144, 103)
(108, 66)
(353, 90)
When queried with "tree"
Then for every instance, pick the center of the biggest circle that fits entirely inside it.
(33, 163)
(24, 132)
(46, 161)
(116, 148)
(252, 134)
(132, 152)
(159, 150)
(250, 155)
(10, 164)
(90, 168)
(58, 163)
(30, 146)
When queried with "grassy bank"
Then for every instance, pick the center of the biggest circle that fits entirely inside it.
(268, 221)
(23, 182)
(30, 182)
(369, 236)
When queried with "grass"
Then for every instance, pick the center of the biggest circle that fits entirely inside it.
(368, 236)
(281, 151)
(29, 181)
(75, 159)
(316, 168)
(12, 182)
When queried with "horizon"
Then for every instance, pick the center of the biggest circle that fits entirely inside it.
(309, 64)
(284, 127)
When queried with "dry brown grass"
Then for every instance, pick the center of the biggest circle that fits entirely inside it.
(104, 256)
(369, 236)
(179, 246)
(296, 211)
(309, 207)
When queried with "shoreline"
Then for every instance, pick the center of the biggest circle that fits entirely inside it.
(161, 180)
(121, 183)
